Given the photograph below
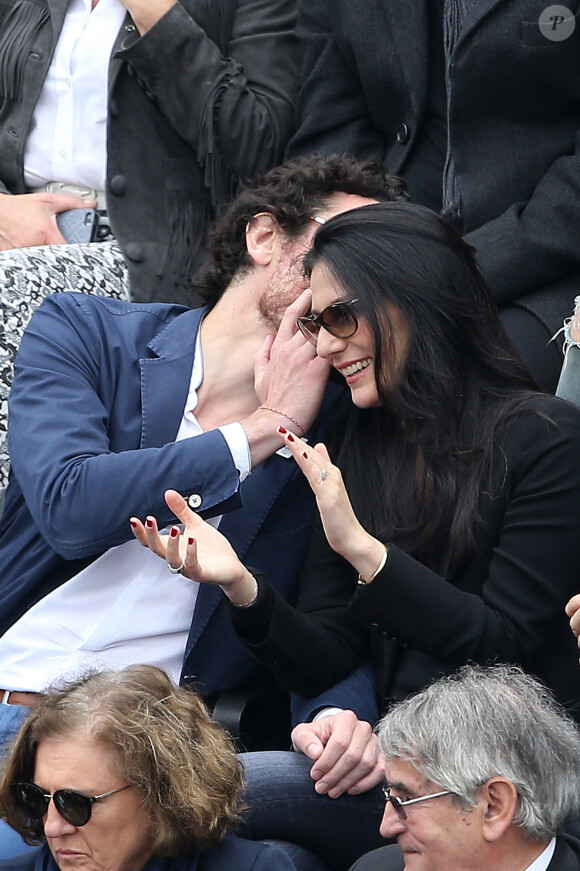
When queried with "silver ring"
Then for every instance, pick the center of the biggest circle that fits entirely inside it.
(179, 569)
(323, 475)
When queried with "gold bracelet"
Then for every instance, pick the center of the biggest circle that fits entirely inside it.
(252, 600)
(363, 582)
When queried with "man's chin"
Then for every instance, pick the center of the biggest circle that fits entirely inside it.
(413, 860)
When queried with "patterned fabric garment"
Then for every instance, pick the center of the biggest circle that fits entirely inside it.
(27, 275)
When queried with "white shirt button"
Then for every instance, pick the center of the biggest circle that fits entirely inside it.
(194, 501)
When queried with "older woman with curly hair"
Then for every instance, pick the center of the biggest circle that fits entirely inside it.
(124, 771)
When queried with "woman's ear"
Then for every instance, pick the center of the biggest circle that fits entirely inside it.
(500, 803)
(262, 238)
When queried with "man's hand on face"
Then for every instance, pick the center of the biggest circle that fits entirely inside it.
(290, 380)
(345, 754)
(288, 372)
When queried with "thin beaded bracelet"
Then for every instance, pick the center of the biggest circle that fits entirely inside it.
(287, 416)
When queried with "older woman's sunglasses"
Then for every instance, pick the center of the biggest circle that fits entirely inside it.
(74, 807)
(337, 319)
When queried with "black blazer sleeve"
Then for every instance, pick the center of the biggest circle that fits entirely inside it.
(505, 604)
(313, 646)
(243, 101)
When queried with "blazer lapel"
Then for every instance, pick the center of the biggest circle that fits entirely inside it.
(162, 408)
(259, 491)
(57, 9)
(127, 35)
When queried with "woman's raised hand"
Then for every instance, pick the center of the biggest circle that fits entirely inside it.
(201, 553)
(343, 531)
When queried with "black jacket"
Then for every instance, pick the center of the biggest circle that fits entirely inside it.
(504, 604)
(514, 116)
(204, 98)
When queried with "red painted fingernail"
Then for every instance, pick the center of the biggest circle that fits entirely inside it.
(133, 523)
(282, 430)
(148, 522)
(190, 540)
(174, 532)
(290, 437)
(305, 455)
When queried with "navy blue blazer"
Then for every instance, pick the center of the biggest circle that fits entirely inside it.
(97, 399)
(232, 854)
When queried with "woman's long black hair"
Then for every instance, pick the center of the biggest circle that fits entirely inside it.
(416, 466)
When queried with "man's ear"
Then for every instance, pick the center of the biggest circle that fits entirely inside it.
(262, 238)
(499, 801)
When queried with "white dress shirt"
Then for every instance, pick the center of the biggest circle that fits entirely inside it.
(68, 137)
(544, 859)
(125, 608)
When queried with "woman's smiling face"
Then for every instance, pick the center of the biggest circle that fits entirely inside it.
(354, 357)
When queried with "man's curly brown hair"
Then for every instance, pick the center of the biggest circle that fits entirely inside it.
(292, 193)
(167, 748)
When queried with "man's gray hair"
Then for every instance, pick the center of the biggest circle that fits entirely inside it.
(486, 722)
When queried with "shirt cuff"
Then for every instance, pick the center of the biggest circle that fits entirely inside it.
(237, 442)
(326, 712)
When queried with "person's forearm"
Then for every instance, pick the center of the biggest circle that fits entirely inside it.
(239, 106)
(80, 487)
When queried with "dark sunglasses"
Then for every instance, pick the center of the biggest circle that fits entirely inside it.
(337, 319)
(74, 807)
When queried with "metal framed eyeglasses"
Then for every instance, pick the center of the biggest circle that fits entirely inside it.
(399, 805)
(337, 319)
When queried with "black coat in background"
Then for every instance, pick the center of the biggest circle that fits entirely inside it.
(514, 116)
(205, 98)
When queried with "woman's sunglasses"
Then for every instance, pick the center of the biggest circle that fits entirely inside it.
(337, 319)
(74, 807)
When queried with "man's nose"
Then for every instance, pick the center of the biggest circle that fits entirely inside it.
(391, 824)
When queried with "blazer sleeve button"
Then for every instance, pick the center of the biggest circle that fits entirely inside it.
(194, 501)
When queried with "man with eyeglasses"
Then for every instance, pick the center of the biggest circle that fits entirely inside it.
(482, 773)
(113, 403)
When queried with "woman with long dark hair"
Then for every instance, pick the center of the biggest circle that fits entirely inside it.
(451, 510)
